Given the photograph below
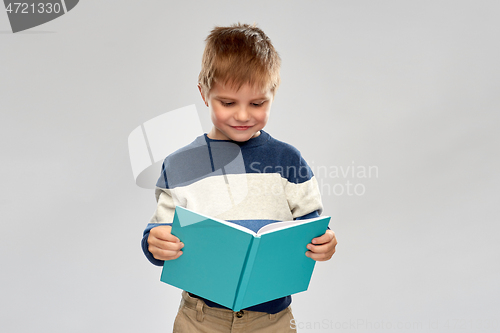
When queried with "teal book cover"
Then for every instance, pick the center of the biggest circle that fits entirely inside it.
(236, 267)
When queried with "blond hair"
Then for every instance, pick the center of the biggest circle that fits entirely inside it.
(239, 54)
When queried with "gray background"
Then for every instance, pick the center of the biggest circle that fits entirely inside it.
(411, 87)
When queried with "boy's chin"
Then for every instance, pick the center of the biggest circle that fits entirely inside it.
(238, 136)
(244, 136)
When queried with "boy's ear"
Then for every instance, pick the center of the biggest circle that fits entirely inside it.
(202, 96)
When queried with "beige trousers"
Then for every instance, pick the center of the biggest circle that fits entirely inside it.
(195, 316)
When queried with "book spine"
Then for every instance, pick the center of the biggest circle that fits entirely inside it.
(245, 276)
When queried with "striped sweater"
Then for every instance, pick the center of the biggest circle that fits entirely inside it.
(251, 183)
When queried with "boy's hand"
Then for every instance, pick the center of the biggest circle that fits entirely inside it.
(322, 247)
(163, 245)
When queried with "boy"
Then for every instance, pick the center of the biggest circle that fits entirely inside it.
(237, 82)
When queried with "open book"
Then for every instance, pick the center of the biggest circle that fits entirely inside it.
(236, 267)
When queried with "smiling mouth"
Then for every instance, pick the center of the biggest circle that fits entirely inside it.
(241, 128)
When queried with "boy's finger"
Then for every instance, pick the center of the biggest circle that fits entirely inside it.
(163, 233)
(165, 245)
(325, 238)
(172, 246)
(318, 248)
(170, 238)
(318, 256)
(165, 254)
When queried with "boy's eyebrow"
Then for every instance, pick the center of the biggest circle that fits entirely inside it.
(222, 97)
(262, 97)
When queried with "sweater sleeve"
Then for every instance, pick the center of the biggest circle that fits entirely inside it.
(302, 191)
(303, 195)
(310, 216)
(163, 215)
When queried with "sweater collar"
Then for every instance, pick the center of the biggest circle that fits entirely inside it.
(253, 142)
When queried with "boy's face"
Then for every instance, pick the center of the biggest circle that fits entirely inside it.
(237, 115)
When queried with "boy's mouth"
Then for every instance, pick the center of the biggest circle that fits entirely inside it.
(241, 128)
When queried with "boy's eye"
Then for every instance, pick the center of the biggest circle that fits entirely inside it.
(258, 104)
(226, 103)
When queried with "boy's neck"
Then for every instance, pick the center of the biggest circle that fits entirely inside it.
(258, 140)
(211, 136)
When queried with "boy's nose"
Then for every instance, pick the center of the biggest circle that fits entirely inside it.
(242, 114)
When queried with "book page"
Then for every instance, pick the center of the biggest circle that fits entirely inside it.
(285, 224)
(197, 217)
